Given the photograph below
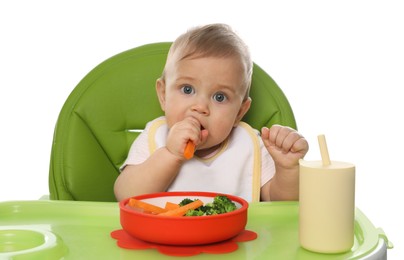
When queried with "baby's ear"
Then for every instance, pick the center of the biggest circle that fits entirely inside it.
(245, 106)
(161, 92)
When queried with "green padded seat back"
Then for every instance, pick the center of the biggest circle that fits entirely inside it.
(108, 108)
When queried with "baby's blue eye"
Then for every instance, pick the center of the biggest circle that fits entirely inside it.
(187, 89)
(219, 97)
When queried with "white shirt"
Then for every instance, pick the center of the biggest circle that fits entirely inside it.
(240, 167)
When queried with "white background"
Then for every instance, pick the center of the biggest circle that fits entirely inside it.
(340, 63)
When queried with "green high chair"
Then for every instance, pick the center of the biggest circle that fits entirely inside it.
(111, 105)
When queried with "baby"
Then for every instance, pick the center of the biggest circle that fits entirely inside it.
(204, 93)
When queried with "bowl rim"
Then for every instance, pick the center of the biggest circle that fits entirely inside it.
(244, 204)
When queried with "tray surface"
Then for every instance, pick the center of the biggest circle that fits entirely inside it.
(46, 229)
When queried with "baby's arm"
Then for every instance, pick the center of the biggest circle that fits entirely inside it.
(286, 146)
(159, 170)
(153, 175)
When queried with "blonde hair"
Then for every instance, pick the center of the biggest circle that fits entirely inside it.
(213, 40)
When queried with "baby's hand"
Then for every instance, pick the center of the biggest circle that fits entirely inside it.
(180, 133)
(285, 145)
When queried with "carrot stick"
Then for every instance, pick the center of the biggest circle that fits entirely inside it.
(147, 207)
(170, 206)
(189, 150)
(183, 209)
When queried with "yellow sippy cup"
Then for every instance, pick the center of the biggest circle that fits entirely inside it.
(326, 204)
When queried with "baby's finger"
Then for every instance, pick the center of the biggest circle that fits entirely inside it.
(290, 140)
(300, 146)
(265, 135)
(278, 135)
(194, 122)
(193, 129)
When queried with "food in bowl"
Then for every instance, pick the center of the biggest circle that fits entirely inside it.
(181, 230)
(187, 207)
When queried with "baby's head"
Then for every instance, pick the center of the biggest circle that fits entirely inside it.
(206, 79)
(214, 40)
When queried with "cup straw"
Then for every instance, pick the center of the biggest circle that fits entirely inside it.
(323, 150)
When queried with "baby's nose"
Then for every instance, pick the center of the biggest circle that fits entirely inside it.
(201, 107)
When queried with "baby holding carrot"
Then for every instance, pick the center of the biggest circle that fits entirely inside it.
(204, 92)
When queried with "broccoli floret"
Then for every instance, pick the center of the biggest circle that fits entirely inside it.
(208, 209)
(221, 204)
(185, 202)
(195, 212)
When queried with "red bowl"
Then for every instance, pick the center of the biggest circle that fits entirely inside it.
(183, 230)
